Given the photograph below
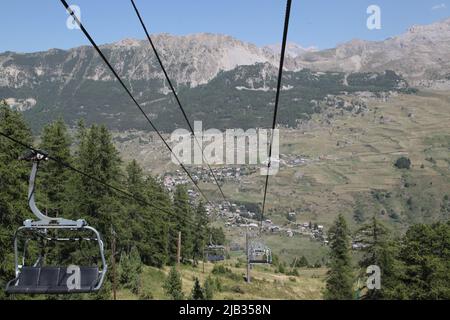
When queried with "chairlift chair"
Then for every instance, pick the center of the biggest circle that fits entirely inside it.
(259, 253)
(38, 278)
(214, 253)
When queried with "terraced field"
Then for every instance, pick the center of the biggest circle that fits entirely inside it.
(351, 166)
(355, 154)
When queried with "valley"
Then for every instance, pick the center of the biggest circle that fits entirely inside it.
(349, 169)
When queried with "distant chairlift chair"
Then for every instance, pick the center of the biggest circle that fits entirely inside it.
(259, 253)
(39, 279)
(214, 253)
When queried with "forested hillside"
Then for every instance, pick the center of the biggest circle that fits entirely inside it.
(143, 232)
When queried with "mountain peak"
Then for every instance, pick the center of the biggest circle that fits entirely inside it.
(128, 42)
(293, 49)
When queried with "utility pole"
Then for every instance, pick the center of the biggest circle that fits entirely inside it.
(179, 249)
(203, 259)
(248, 256)
(113, 262)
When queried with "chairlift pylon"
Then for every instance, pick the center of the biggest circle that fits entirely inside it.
(38, 278)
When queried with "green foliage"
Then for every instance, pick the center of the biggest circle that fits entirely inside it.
(13, 187)
(358, 215)
(425, 258)
(143, 233)
(130, 269)
(197, 291)
(403, 163)
(221, 270)
(379, 250)
(209, 288)
(173, 285)
(300, 263)
(415, 267)
(218, 236)
(200, 234)
(51, 191)
(339, 278)
(181, 221)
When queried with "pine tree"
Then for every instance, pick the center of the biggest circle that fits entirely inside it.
(181, 221)
(197, 291)
(200, 233)
(425, 257)
(130, 269)
(301, 263)
(51, 191)
(379, 250)
(173, 285)
(209, 287)
(158, 239)
(147, 226)
(97, 203)
(339, 278)
(14, 176)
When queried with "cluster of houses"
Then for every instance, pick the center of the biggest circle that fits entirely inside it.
(172, 180)
(239, 217)
(293, 160)
(315, 231)
(340, 103)
(226, 173)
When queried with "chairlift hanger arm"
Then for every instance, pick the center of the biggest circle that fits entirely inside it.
(43, 220)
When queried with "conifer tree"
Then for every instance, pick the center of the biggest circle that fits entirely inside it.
(424, 254)
(379, 250)
(200, 232)
(339, 284)
(14, 176)
(181, 221)
(173, 285)
(197, 291)
(53, 177)
(209, 287)
(98, 157)
(130, 269)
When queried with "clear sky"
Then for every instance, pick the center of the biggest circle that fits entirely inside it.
(29, 25)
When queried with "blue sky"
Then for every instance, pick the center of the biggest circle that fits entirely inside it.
(28, 25)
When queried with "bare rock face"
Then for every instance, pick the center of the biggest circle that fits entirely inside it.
(217, 75)
(419, 54)
(190, 60)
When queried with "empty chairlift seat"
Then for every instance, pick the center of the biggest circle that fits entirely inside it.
(54, 280)
(36, 279)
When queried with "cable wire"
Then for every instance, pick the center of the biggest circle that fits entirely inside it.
(172, 88)
(80, 172)
(277, 101)
(99, 51)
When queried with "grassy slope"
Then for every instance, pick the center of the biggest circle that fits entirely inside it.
(415, 126)
(343, 176)
(266, 283)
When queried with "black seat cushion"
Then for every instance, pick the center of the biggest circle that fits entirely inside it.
(29, 276)
(52, 280)
(89, 278)
(49, 276)
(27, 281)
